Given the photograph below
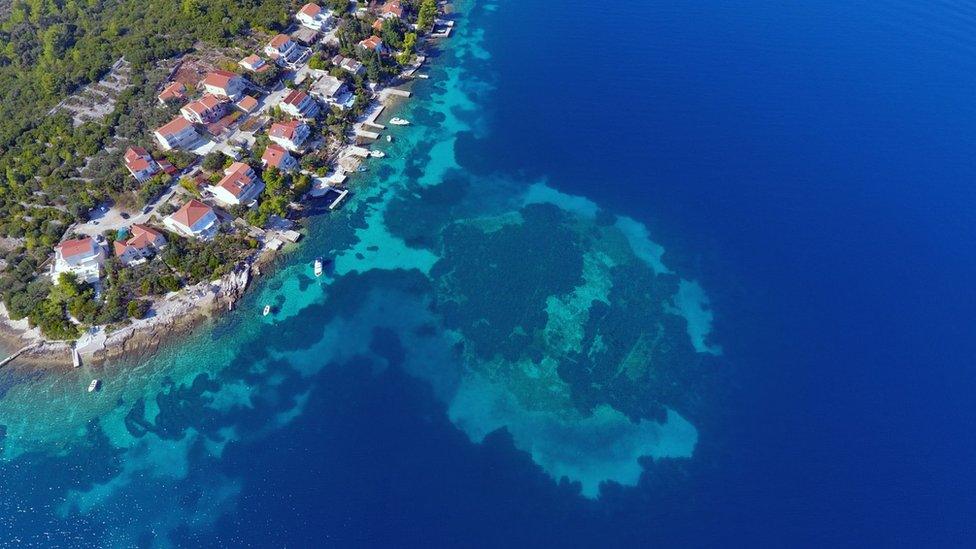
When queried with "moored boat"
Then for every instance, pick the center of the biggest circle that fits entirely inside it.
(318, 266)
(93, 386)
(377, 154)
(389, 139)
(267, 310)
(397, 121)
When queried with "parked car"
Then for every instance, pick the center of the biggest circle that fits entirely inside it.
(125, 215)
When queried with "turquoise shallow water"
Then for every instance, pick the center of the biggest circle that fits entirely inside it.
(518, 307)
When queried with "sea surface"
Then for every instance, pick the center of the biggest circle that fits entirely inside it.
(638, 273)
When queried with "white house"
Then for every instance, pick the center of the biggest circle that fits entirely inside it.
(391, 9)
(328, 88)
(299, 104)
(281, 48)
(313, 17)
(81, 256)
(276, 156)
(240, 185)
(176, 134)
(289, 135)
(195, 219)
(224, 84)
(143, 241)
(205, 110)
(140, 164)
(173, 92)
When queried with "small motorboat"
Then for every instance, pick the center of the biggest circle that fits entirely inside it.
(267, 310)
(361, 169)
(93, 386)
(397, 121)
(423, 76)
(377, 154)
(317, 267)
(389, 139)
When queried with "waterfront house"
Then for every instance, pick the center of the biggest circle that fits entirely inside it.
(289, 135)
(299, 104)
(175, 134)
(80, 256)
(281, 48)
(240, 185)
(313, 17)
(328, 88)
(195, 219)
(142, 243)
(205, 110)
(224, 84)
(253, 63)
(140, 164)
(373, 43)
(349, 65)
(175, 92)
(276, 156)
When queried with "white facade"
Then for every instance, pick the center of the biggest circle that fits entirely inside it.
(314, 17)
(176, 135)
(86, 265)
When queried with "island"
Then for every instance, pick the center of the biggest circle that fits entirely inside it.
(153, 159)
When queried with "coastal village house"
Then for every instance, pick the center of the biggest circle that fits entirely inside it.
(289, 135)
(349, 65)
(281, 48)
(140, 164)
(276, 156)
(176, 134)
(313, 17)
(253, 63)
(175, 92)
(391, 9)
(247, 104)
(299, 104)
(373, 43)
(240, 185)
(329, 89)
(224, 84)
(195, 219)
(142, 243)
(208, 108)
(81, 256)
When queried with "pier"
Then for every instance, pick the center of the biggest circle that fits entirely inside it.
(16, 354)
(342, 195)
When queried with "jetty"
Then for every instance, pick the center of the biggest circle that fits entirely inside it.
(17, 353)
(342, 195)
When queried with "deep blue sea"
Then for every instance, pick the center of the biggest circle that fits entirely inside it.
(638, 274)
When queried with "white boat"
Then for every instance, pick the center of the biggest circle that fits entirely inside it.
(397, 121)
(377, 154)
(267, 310)
(93, 386)
(423, 76)
(389, 139)
(318, 266)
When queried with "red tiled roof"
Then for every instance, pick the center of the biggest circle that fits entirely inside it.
(310, 10)
(285, 130)
(252, 60)
(372, 42)
(378, 25)
(236, 180)
(174, 126)
(278, 41)
(133, 153)
(176, 90)
(392, 7)
(191, 212)
(247, 103)
(295, 98)
(167, 166)
(78, 246)
(273, 155)
(219, 79)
